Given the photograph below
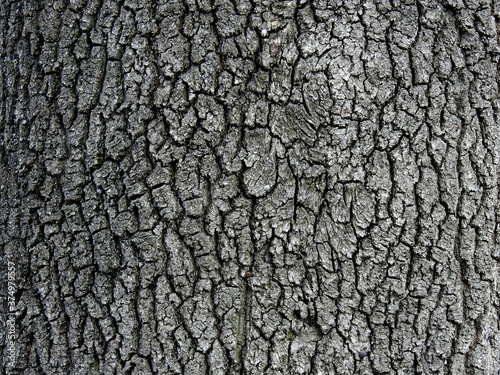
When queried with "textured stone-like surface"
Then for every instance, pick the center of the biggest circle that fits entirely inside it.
(251, 187)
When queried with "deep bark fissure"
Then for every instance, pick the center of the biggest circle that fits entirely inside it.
(263, 187)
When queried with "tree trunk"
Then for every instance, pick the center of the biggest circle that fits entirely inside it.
(250, 187)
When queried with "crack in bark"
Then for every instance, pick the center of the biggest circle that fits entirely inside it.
(250, 186)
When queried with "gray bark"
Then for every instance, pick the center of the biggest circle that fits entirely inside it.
(250, 187)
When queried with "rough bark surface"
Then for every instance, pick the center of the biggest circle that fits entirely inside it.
(251, 187)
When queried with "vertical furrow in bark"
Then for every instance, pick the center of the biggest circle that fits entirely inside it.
(250, 187)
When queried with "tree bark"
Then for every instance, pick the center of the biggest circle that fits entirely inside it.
(250, 187)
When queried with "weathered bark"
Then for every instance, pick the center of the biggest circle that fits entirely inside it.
(250, 187)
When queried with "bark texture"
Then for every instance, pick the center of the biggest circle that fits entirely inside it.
(251, 187)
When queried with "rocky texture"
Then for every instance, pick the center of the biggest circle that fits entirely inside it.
(251, 187)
